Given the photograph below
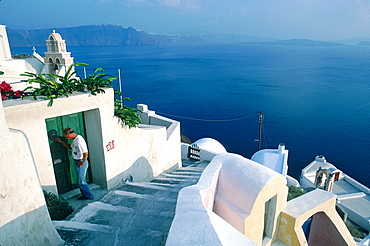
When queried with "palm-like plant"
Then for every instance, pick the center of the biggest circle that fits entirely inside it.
(53, 85)
(96, 81)
(49, 87)
(70, 80)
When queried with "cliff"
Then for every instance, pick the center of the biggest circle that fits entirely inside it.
(105, 35)
(95, 35)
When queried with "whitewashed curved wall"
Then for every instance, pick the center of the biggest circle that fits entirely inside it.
(235, 189)
(195, 223)
(24, 219)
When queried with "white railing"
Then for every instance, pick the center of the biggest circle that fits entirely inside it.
(149, 117)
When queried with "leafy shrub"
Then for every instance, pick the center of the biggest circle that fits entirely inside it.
(356, 231)
(58, 207)
(294, 192)
(52, 86)
(21, 56)
(128, 115)
(97, 80)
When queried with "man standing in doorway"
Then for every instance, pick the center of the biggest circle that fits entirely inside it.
(79, 155)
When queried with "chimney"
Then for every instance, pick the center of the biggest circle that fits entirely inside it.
(320, 158)
(281, 148)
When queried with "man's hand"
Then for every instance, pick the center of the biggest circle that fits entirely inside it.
(68, 146)
(80, 163)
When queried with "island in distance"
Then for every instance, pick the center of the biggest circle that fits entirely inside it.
(107, 35)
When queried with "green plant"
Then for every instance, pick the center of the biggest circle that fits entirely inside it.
(96, 81)
(52, 86)
(294, 192)
(58, 207)
(48, 87)
(70, 80)
(356, 231)
(21, 56)
(128, 115)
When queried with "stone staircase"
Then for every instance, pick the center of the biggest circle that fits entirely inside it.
(131, 214)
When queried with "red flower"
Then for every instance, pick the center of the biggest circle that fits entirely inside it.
(5, 86)
(8, 93)
(18, 93)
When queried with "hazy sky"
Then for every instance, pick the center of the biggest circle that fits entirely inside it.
(314, 19)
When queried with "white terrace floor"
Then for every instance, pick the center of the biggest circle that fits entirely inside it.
(132, 214)
(353, 199)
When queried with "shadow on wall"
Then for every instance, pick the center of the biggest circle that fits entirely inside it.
(139, 171)
(37, 229)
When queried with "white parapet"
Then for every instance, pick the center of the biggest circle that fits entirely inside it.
(195, 223)
(209, 148)
(232, 188)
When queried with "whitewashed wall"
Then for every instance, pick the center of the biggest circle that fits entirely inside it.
(24, 219)
(140, 153)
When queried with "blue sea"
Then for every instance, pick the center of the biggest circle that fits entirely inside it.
(315, 100)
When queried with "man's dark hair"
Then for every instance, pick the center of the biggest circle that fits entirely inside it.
(68, 130)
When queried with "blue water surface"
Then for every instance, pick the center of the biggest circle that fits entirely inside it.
(315, 100)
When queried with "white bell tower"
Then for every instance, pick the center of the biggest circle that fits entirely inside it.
(57, 59)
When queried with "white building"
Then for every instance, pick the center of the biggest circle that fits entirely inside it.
(353, 197)
(237, 201)
(31, 161)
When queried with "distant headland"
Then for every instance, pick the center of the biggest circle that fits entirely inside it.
(110, 35)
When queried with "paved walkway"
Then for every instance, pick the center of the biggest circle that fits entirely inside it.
(131, 214)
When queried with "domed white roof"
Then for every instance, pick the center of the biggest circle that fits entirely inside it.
(210, 145)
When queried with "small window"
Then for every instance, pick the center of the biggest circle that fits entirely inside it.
(269, 219)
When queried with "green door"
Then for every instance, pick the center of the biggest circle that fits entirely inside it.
(59, 155)
(65, 174)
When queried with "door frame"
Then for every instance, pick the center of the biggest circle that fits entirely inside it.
(75, 121)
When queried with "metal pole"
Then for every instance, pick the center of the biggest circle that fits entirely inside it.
(260, 130)
(120, 84)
